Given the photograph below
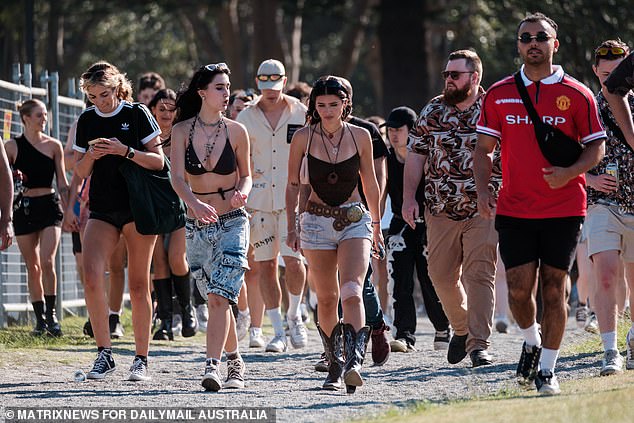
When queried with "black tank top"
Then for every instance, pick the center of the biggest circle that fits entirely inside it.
(225, 165)
(334, 191)
(37, 166)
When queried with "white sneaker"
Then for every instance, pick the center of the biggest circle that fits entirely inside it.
(592, 325)
(277, 344)
(235, 374)
(398, 345)
(612, 363)
(211, 380)
(547, 383)
(298, 333)
(629, 356)
(256, 340)
(581, 315)
(243, 321)
(202, 315)
(138, 371)
(177, 324)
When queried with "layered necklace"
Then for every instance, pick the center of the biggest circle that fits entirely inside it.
(211, 137)
(332, 177)
(330, 135)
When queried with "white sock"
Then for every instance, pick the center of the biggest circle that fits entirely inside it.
(548, 359)
(609, 340)
(293, 306)
(255, 331)
(531, 335)
(118, 313)
(312, 299)
(275, 315)
(244, 313)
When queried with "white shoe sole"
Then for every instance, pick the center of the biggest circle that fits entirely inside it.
(233, 384)
(138, 378)
(99, 376)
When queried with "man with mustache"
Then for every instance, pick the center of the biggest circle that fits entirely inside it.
(461, 244)
(541, 207)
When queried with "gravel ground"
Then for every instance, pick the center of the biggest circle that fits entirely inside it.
(285, 381)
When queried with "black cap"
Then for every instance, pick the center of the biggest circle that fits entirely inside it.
(401, 116)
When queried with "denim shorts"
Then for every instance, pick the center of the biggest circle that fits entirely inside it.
(217, 253)
(317, 232)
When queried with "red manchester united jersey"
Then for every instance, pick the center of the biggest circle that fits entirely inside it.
(561, 101)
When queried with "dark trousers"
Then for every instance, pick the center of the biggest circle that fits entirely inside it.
(405, 252)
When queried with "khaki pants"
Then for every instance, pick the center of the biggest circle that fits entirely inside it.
(467, 297)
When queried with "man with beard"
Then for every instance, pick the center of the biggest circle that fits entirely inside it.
(541, 206)
(461, 244)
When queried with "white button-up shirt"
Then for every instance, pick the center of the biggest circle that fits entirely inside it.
(270, 148)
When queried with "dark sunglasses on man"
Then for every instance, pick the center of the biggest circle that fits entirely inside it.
(455, 75)
(527, 38)
(265, 78)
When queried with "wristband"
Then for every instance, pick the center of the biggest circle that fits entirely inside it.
(376, 223)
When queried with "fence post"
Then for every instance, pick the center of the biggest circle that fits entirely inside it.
(28, 76)
(54, 100)
(16, 74)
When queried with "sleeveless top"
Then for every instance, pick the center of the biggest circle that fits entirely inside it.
(38, 168)
(225, 165)
(334, 191)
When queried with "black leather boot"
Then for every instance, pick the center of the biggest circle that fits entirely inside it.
(163, 290)
(54, 328)
(182, 287)
(333, 347)
(355, 345)
(40, 321)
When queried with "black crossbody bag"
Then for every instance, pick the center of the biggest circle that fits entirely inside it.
(557, 147)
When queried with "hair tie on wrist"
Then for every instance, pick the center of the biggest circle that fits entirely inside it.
(376, 223)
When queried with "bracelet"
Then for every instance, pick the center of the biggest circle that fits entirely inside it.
(376, 223)
(127, 152)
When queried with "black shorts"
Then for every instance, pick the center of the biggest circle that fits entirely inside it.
(118, 218)
(36, 213)
(550, 241)
(76, 242)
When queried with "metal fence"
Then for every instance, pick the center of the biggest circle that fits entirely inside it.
(14, 294)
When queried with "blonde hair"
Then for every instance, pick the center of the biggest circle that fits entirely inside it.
(26, 107)
(107, 75)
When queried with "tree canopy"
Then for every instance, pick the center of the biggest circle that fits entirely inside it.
(392, 52)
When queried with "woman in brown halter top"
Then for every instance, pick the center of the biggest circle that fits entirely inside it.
(337, 231)
(211, 173)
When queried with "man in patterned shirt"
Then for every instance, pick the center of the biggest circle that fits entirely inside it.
(541, 207)
(461, 244)
(610, 220)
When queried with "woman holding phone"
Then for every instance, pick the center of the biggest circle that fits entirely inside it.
(109, 132)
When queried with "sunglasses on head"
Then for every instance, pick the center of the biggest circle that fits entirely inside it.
(330, 83)
(273, 78)
(610, 52)
(93, 74)
(455, 75)
(527, 38)
(217, 67)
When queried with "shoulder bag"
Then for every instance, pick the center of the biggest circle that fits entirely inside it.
(557, 147)
(155, 206)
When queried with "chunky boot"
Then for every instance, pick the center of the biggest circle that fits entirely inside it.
(182, 287)
(40, 321)
(333, 347)
(163, 290)
(54, 328)
(355, 346)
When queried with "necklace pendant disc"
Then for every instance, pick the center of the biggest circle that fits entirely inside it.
(333, 178)
(335, 150)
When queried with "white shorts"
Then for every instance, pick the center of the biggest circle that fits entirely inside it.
(609, 229)
(268, 235)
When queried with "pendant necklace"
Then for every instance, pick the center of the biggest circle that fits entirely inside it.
(335, 147)
(209, 145)
(332, 177)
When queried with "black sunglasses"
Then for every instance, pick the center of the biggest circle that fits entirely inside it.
(330, 83)
(93, 74)
(527, 38)
(455, 75)
(215, 67)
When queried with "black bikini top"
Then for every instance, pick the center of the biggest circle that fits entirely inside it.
(225, 165)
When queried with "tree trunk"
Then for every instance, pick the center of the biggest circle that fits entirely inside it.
(266, 39)
(353, 36)
(402, 39)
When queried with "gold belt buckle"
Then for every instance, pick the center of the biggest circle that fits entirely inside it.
(354, 213)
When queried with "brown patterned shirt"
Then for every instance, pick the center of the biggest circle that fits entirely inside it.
(447, 137)
(615, 152)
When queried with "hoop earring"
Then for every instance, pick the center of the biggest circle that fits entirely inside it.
(316, 115)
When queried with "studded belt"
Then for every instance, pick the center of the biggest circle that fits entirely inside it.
(221, 219)
(343, 216)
